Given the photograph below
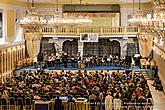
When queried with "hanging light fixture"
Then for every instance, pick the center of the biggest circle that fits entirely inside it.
(60, 21)
(32, 22)
(137, 17)
(155, 23)
(132, 15)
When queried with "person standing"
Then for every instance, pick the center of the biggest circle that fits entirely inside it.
(65, 57)
(108, 101)
(58, 104)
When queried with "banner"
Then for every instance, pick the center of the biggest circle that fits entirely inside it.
(89, 37)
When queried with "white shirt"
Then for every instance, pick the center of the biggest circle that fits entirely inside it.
(35, 59)
(108, 59)
(108, 102)
(117, 104)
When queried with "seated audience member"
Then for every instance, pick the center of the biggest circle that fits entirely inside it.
(43, 85)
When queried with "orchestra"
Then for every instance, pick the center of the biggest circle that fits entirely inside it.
(75, 60)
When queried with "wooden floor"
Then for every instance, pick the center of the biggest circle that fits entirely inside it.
(158, 96)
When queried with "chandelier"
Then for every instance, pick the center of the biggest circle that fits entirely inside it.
(59, 21)
(32, 22)
(154, 23)
(137, 17)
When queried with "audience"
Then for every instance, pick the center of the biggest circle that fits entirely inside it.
(157, 83)
(118, 89)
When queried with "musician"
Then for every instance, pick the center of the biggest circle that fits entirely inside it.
(87, 61)
(79, 59)
(108, 61)
(92, 61)
(65, 60)
(105, 59)
(35, 62)
(73, 60)
(132, 62)
(116, 59)
(50, 60)
(111, 58)
(97, 60)
(58, 57)
(53, 58)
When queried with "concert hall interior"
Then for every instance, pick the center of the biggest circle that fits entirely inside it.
(82, 54)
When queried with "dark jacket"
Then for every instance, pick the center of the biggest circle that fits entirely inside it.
(58, 104)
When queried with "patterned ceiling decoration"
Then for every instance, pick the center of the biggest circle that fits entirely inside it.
(87, 1)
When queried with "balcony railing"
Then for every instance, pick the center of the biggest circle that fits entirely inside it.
(100, 30)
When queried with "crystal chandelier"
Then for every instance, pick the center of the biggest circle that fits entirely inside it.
(32, 22)
(155, 23)
(60, 21)
(136, 18)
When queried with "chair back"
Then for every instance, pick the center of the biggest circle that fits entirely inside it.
(19, 101)
(92, 102)
(44, 99)
(28, 101)
(77, 96)
(12, 101)
(71, 106)
(4, 101)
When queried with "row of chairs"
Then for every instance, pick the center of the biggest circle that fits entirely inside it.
(15, 104)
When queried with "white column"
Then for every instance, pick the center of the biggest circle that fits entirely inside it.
(2, 62)
(23, 51)
(5, 55)
(123, 45)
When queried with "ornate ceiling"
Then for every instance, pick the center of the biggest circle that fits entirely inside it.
(87, 1)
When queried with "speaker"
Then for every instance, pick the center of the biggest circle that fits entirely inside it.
(40, 57)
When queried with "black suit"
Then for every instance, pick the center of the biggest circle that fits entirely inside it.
(58, 104)
(65, 57)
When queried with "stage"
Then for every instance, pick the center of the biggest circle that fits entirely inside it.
(117, 67)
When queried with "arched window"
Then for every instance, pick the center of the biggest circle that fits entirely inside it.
(70, 47)
(115, 48)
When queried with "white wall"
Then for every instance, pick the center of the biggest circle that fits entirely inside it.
(19, 30)
(18, 15)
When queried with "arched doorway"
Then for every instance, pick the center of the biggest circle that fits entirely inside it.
(115, 48)
(70, 47)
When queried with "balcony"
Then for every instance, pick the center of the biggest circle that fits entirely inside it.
(102, 31)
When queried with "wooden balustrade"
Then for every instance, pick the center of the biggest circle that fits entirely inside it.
(100, 30)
